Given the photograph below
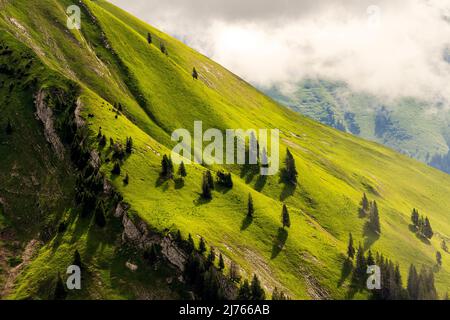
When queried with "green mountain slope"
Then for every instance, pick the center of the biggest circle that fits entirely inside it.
(413, 127)
(109, 62)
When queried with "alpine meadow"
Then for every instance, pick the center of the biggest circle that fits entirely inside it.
(88, 179)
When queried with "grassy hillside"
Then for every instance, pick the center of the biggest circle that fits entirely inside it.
(110, 61)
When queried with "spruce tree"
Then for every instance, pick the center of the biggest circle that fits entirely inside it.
(100, 219)
(77, 259)
(285, 219)
(182, 170)
(374, 218)
(211, 256)
(370, 260)
(350, 248)
(291, 171)
(413, 283)
(427, 230)
(149, 38)
(102, 141)
(9, 128)
(129, 145)
(250, 208)
(444, 246)
(60, 291)
(439, 258)
(194, 74)
(210, 179)
(244, 291)
(190, 244)
(365, 204)
(221, 262)
(126, 180)
(257, 292)
(202, 246)
(415, 217)
(166, 167)
(206, 188)
(360, 266)
(116, 169)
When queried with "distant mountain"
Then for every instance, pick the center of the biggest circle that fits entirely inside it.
(415, 128)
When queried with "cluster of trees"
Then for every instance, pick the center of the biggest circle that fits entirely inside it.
(162, 45)
(224, 179)
(370, 210)
(168, 169)
(420, 286)
(421, 225)
(253, 290)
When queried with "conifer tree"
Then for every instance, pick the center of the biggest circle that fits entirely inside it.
(360, 266)
(100, 219)
(211, 257)
(285, 219)
(221, 262)
(427, 230)
(149, 38)
(9, 127)
(415, 217)
(370, 260)
(257, 291)
(190, 244)
(210, 179)
(126, 180)
(439, 258)
(279, 295)
(413, 282)
(206, 187)
(365, 203)
(182, 170)
(250, 208)
(444, 246)
(178, 237)
(244, 291)
(129, 145)
(116, 169)
(202, 246)
(77, 259)
(102, 141)
(166, 167)
(350, 248)
(291, 171)
(60, 291)
(374, 218)
(194, 74)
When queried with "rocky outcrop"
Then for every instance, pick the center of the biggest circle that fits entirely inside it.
(45, 114)
(137, 233)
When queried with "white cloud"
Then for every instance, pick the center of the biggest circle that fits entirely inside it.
(391, 48)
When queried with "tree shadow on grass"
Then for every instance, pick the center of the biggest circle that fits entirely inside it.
(179, 183)
(370, 237)
(248, 172)
(289, 187)
(162, 181)
(201, 200)
(346, 270)
(279, 242)
(260, 183)
(246, 222)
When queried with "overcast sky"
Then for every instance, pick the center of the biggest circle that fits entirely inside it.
(387, 47)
